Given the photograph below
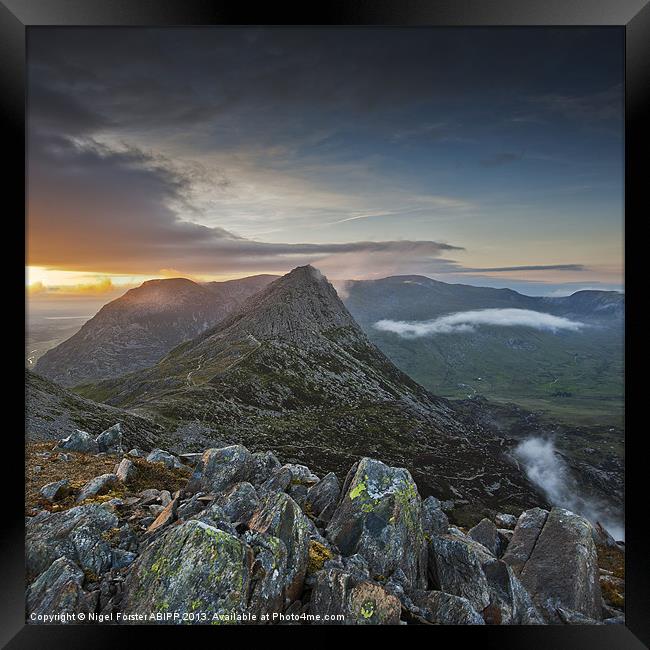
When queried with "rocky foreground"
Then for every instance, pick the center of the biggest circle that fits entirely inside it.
(230, 536)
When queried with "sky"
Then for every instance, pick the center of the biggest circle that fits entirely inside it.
(485, 156)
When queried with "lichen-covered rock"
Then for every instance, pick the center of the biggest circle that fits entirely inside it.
(529, 525)
(80, 441)
(192, 568)
(126, 471)
(264, 464)
(161, 456)
(370, 604)
(322, 498)
(97, 486)
(485, 533)
(218, 469)
(55, 491)
(58, 590)
(613, 591)
(562, 567)
(446, 609)
(239, 502)
(379, 517)
(75, 534)
(505, 520)
(111, 439)
(281, 517)
(434, 519)
(268, 572)
(337, 592)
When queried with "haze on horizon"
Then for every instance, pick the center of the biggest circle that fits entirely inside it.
(483, 156)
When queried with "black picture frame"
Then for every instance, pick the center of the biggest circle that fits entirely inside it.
(17, 16)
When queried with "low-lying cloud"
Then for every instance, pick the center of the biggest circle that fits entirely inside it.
(547, 470)
(468, 321)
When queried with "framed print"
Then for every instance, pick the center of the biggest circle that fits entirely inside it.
(327, 320)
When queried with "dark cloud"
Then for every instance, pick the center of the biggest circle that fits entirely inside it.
(92, 207)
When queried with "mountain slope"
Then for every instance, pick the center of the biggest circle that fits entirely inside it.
(573, 375)
(52, 412)
(292, 371)
(139, 328)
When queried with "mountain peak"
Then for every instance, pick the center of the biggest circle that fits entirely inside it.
(298, 305)
(306, 273)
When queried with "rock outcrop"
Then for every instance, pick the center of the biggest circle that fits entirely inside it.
(255, 541)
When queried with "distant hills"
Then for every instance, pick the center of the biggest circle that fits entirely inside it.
(139, 328)
(572, 375)
(576, 375)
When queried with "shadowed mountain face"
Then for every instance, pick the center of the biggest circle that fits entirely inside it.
(292, 371)
(139, 328)
(571, 374)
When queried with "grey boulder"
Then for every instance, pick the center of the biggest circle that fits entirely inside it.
(80, 441)
(264, 463)
(561, 570)
(446, 609)
(505, 520)
(239, 502)
(485, 533)
(462, 567)
(280, 516)
(434, 519)
(75, 534)
(529, 526)
(55, 491)
(97, 486)
(322, 498)
(219, 469)
(126, 471)
(58, 590)
(111, 439)
(161, 456)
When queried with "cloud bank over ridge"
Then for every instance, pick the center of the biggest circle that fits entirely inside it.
(468, 321)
